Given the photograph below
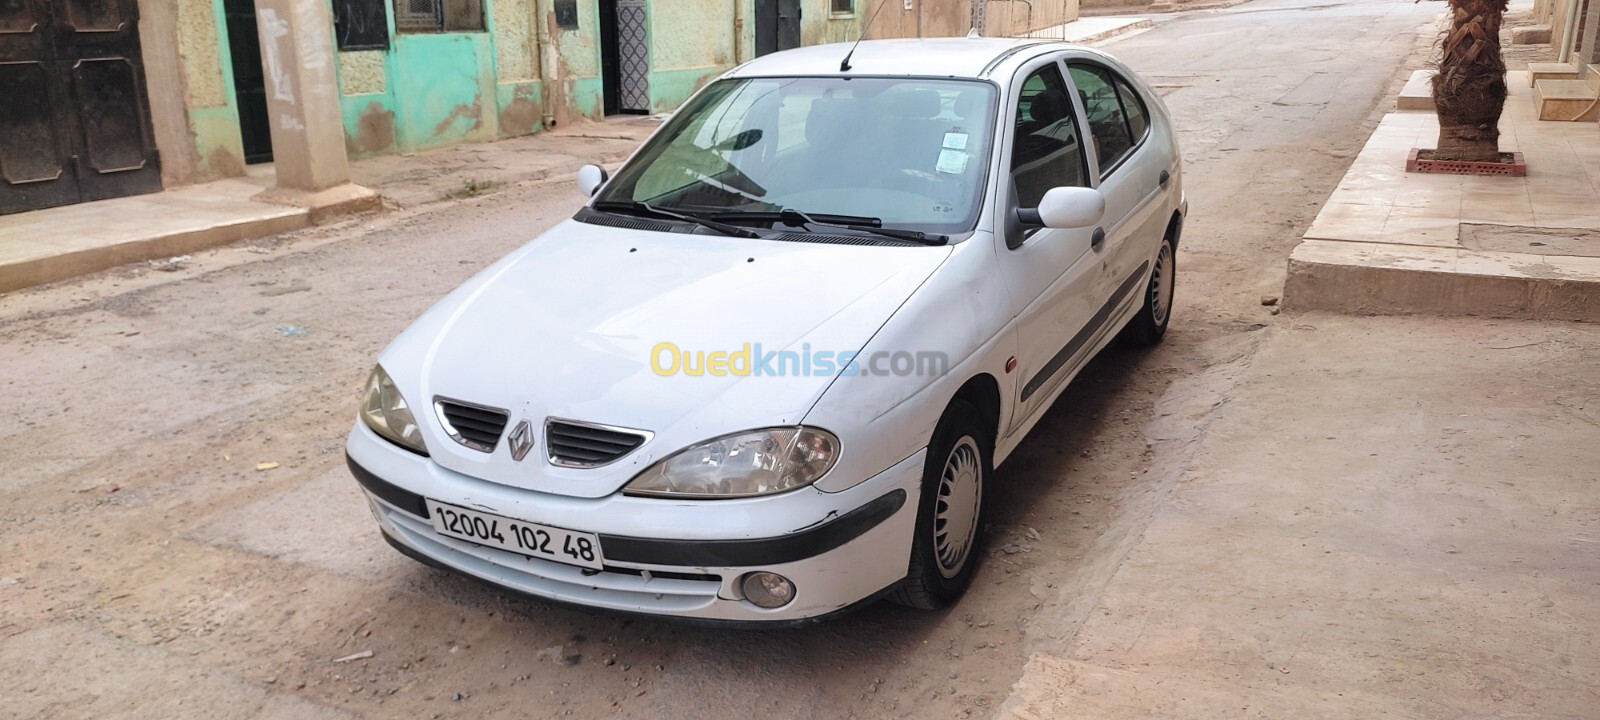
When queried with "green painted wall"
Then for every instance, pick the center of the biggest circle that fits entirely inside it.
(208, 74)
(440, 89)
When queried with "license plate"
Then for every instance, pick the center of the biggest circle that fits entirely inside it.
(518, 536)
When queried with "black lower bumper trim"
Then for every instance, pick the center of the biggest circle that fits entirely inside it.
(811, 542)
(394, 495)
(807, 543)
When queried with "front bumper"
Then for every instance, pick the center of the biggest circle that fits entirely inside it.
(662, 557)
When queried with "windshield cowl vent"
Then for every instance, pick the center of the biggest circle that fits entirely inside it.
(628, 223)
(835, 239)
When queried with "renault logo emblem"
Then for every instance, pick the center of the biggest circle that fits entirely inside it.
(521, 440)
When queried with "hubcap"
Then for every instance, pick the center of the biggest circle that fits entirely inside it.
(955, 512)
(1161, 282)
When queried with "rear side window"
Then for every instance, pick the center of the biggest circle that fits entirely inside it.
(1133, 107)
(1118, 119)
(1046, 151)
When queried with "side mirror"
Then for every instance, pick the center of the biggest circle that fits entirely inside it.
(590, 178)
(1066, 208)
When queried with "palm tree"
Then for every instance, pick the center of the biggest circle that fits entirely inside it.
(1470, 90)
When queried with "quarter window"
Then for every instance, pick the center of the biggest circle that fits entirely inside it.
(1045, 149)
(1117, 117)
(438, 15)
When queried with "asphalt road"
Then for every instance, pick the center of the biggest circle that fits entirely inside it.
(148, 569)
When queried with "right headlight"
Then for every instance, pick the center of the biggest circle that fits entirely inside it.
(387, 413)
(745, 464)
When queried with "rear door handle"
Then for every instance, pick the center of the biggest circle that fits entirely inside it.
(1166, 177)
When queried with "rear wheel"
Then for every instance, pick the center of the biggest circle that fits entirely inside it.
(1150, 325)
(944, 550)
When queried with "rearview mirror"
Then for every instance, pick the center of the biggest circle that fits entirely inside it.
(590, 178)
(741, 141)
(1067, 208)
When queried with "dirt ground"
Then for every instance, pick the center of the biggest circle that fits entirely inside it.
(148, 569)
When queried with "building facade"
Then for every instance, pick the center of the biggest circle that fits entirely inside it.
(116, 97)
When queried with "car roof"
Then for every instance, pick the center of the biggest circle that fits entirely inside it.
(929, 57)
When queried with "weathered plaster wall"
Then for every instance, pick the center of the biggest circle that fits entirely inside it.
(362, 72)
(444, 89)
(518, 94)
(938, 18)
(367, 105)
(691, 43)
(579, 53)
(207, 77)
(514, 51)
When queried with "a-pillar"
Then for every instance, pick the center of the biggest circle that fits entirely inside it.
(303, 110)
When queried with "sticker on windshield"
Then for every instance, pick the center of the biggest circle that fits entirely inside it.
(952, 162)
(955, 141)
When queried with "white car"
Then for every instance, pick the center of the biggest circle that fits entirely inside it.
(765, 375)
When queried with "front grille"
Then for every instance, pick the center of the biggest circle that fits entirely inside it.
(474, 426)
(585, 445)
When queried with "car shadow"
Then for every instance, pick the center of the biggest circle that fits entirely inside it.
(1049, 475)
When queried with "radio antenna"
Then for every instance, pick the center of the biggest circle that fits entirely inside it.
(845, 65)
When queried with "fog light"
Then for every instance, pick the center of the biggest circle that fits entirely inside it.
(768, 590)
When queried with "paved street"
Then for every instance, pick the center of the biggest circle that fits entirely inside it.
(148, 569)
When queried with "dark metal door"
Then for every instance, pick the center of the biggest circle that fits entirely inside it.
(777, 25)
(74, 121)
(249, 80)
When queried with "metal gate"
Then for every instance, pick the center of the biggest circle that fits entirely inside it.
(633, 56)
(74, 119)
(777, 25)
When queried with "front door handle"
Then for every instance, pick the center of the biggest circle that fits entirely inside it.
(1098, 240)
(1166, 177)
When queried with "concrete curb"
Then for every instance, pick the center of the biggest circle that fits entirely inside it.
(1382, 279)
(55, 268)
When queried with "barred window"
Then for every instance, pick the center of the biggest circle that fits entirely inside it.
(438, 15)
(842, 7)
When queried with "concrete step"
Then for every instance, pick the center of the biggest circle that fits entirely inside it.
(1592, 76)
(1551, 71)
(1392, 279)
(1418, 92)
(1566, 100)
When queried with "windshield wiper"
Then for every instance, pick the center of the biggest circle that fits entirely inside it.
(639, 208)
(792, 217)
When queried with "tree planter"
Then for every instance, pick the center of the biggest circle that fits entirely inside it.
(1510, 165)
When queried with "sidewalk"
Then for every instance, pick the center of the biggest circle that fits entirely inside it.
(1390, 517)
(45, 246)
(1389, 241)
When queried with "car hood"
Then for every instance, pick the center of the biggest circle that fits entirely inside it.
(566, 326)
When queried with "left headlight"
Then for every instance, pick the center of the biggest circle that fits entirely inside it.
(387, 413)
(746, 464)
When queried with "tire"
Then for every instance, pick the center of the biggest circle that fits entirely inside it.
(1150, 325)
(960, 463)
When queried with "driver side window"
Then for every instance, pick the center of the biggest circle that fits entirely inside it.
(1046, 151)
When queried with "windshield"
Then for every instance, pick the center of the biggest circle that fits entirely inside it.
(909, 151)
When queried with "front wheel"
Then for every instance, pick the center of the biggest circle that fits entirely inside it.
(944, 551)
(1150, 325)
